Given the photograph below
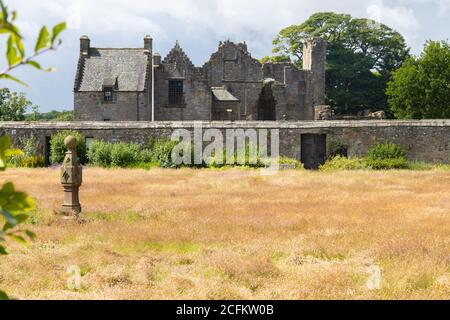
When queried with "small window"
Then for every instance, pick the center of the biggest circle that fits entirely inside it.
(108, 94)
(175, 92)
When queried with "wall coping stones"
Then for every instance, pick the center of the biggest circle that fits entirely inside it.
(87, 125)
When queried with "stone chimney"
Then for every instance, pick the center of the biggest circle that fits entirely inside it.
(148, 43)
(157, 59)
(85, 45)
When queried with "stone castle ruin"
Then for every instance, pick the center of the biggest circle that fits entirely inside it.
(128, 84)
(133, 95)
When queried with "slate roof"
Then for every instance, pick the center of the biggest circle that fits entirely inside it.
(128, 66)
(221, 94)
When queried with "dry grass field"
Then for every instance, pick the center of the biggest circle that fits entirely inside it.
(234, 234)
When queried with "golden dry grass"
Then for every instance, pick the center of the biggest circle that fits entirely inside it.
(234, 234)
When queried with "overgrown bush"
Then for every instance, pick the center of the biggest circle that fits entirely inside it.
(387, 164)
(387, 150)
(162, 153)
(99, 153)
(337, 148)
(30, 145)
(16, 158)
(125, 155)
(28, 156)
(122, 155)
(343, 163)
(386, 156)
(291, 163)
(58, 149)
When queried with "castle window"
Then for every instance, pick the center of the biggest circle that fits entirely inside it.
(108, 94)
(175, 92)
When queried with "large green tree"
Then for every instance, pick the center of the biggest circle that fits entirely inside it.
(13, 105)
(420, 89)
(362, 54)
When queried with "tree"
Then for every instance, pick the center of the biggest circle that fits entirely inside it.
(15, 206)
(361, 56)
(13, 105)
(50, 116)
(420, 89)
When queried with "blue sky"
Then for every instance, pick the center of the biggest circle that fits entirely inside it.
(199, 25)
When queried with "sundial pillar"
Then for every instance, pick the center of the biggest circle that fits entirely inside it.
(71, 180)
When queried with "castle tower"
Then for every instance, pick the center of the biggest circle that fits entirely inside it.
(314, 60)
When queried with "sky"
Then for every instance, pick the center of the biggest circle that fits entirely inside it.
(199, 25)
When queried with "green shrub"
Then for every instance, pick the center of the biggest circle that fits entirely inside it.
(387, 164)
(58, 149)
(125, 155)
(343, 163)
(17, 158)
(387, 150)
(146, 156)
(162, 153)
(336, 148)
(99, 154)
(33, 162)
(291, 163)
(386, 156)
(30, 145)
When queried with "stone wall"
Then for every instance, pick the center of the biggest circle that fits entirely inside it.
(126, 106)
(424, 140)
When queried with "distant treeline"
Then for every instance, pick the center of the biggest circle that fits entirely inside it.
(50, 116)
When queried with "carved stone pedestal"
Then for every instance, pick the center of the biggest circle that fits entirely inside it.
(71, 180)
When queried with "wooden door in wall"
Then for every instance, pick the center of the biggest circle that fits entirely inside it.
(314, 150)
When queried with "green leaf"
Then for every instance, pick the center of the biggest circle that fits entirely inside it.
(3, 295)
(39, 67)
(30, 235)
(11, 52)
(3, 251)
(19, 239)
(57, 30)
(10, 77)
(5, 143)
(19, 45)
(9, 217)
(43, 40)
(21, 218)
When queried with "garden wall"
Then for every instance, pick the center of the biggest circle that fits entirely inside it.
(424, 140)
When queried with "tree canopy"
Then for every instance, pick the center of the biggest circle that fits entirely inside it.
(362, 54)
(420, 89)
(13, 105)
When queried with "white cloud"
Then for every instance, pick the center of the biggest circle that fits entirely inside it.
(198, 24)
(401, 18)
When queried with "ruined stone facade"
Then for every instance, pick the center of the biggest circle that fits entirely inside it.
(117, 85)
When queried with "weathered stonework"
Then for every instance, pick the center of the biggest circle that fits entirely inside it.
(424, 140)
(128, 72)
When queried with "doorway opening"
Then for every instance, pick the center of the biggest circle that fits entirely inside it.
(314, 150)
(267, 104)
(47, 151)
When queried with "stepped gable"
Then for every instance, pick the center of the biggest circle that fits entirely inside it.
(227, 50)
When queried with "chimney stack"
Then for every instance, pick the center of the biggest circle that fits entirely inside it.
(148, 43)
(85, 45)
